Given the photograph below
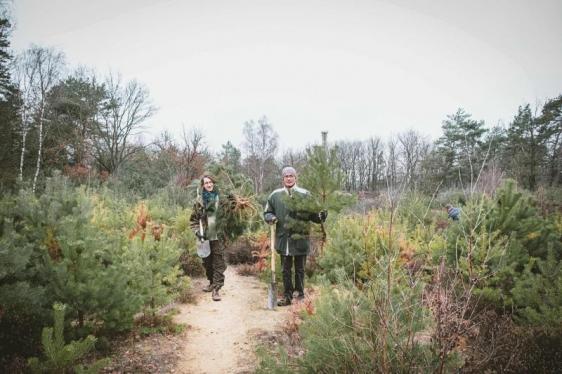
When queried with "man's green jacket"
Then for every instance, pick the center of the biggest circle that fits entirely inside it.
(289, 240)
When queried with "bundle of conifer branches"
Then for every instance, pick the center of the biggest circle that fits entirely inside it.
(239, 209)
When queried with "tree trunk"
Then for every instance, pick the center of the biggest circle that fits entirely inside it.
(39, 152)
(23, 139)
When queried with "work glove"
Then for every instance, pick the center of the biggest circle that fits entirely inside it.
(323, 215)
(270, 218)
(200, 236)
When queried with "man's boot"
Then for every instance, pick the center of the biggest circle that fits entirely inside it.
(208, 288)
(284, 302)
(216, 295)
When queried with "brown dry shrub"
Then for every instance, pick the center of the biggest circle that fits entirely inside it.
(240, 251)
(191, 264)
(52, 245)
(502, 346)
(488, 341)
(142, 219)
(157, 230)
(299, 308)
(78, 172)
(160, 322)
(441, 224)
(247, 270)
(311, 265)
(186, 296)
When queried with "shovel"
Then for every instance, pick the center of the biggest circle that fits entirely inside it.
(203, 246)
(272, 289)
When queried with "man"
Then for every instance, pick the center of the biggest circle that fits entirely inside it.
(452, 212)
(292, 248)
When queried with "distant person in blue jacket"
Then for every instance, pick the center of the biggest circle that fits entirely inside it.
(453, 212)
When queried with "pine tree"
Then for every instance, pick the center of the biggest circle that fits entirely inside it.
(459, 150)
(85, 267)
(511, 254)
(22, 299)
(61, 357)
(74, 106)
(551, 130)
(9, 137)
(323, 177)
(525, 148)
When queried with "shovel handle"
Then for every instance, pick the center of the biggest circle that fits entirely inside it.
(272, 245)
(201, 227)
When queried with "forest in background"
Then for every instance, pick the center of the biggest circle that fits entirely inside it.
(94, 223)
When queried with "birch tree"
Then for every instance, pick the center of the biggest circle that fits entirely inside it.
(260, 143)
(37, 70)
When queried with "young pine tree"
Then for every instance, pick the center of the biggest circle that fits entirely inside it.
(323, 177)
(61, 357)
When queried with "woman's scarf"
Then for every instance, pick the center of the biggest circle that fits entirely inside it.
(209, 199)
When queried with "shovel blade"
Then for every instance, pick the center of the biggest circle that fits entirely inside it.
(272, 296)
(203, 249)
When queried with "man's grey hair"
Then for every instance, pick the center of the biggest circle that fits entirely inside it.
(288, 170)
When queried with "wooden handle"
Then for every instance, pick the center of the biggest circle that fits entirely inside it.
(272, 244)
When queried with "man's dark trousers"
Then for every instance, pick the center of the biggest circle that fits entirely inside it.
(287, 264)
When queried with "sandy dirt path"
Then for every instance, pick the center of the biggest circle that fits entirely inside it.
(222, 335)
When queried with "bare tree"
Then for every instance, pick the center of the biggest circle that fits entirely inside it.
(344, 155)
(295, 158)
(412, 148)
(351, 158)
(261, 145)
(126, 107)
(362, 166)
(37, 70)
(376, 162)
(392, 161)
(167, 153)
(362, 163)
(194, 155)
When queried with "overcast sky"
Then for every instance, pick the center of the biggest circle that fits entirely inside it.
(354, 68)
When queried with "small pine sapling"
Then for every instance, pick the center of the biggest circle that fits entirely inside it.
(61, 357)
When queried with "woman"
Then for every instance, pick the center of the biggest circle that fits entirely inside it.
(206, 209)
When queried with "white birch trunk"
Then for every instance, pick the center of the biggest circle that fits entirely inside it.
(39, 152)
(23, 139)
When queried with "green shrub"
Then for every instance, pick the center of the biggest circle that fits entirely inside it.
(72, 245)
(511, 253)
(359, 331)
(347, 247)
(61, 357)
(415, 209)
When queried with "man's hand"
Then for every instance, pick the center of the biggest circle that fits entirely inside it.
(323, 215)
(270, 218)
(199, 236)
